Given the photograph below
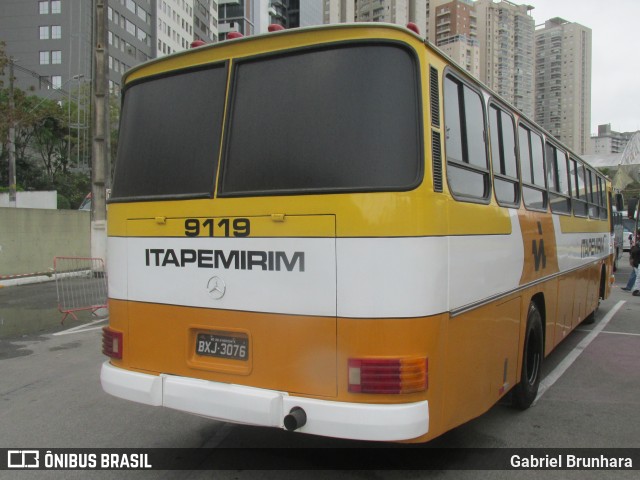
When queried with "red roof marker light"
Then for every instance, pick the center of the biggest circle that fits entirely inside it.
(413, 27)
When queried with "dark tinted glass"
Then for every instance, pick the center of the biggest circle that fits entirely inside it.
(345, 118)
(170, 135)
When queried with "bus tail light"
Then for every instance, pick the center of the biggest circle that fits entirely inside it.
(111, 343)
(388, 375)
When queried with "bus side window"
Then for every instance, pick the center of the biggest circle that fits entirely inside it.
(503, 157)
(534, 189)
(579, 202)
(559, 184)
(604, 211)
(467, 163)
(594, 209)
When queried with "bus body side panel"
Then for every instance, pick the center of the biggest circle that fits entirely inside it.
(481, 358)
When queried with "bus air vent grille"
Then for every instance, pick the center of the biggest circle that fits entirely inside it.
(434, 97)
(436, 158)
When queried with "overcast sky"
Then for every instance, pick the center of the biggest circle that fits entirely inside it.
(615, 27)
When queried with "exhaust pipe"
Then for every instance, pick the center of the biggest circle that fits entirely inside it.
(297, 418)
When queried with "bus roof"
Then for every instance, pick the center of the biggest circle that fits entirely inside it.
(262, 36)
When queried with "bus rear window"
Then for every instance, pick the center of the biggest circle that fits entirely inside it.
(336, 119)
(170, 136)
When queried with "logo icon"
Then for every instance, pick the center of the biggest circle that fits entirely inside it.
(23, 459)
(216, 288)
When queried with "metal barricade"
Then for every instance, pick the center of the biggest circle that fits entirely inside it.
(81, 284)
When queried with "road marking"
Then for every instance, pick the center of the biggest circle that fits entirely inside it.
(82, 328)
(612, 333)
(563, 366)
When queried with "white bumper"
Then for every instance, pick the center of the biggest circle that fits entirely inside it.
(255, 406)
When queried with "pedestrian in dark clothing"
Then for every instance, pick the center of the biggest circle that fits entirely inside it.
(634, 256)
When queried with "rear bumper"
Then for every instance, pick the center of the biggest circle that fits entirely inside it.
(255, 406)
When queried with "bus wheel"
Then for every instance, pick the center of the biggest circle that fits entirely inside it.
(526, 390)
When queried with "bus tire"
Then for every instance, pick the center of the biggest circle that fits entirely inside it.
(526, 390)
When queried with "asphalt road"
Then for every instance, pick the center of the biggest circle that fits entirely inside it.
(50, 397)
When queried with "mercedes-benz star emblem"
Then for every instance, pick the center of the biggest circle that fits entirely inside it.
(216, 288)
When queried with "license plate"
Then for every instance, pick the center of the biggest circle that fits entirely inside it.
(223, 345)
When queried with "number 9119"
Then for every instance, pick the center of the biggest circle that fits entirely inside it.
(210, 227)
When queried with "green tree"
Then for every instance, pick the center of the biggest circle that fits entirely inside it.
(44, 141)
(51, 138)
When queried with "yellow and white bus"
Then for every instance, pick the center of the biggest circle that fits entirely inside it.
(337, 231)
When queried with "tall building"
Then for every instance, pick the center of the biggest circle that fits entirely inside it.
(339, 11)
(608, 141)
(237, 16)
(291, 13)
(50, 42)
(139, 30)
(205, 20)
(506, 36)
(130, 30)
(453, 29)
(399, 12)
(563, 81)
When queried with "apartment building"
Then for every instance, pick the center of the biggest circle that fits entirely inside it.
(609, 141)
(287, 13)
(563, 81)
(505, 32)
(338, 11)
(453, 29)
(399, 12)
(50, 42)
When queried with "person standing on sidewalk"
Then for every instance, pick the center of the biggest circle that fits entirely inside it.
(634, 256)
(632, 277)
